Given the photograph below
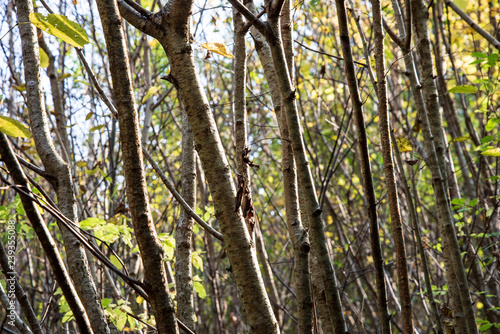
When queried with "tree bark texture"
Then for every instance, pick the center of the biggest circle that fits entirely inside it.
(184, 232)
(390, 178)
(155, 277)
(435, 136)
(366, 168)
(45, 238)
(171, 27)
(59, 171)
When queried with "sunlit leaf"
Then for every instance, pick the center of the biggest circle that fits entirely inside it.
(493, 152)
(122, 320)
(151, 91)
(98, 127)
(13, 128)
(464, 89)
(404, 144)
(462, 4)
(116, 262)
(64, 76)
(61, 27)
(20, 88)
(218, 48)
(44, 59)
(460, 139)
(492, 123)
(200, 290)
(105, 302)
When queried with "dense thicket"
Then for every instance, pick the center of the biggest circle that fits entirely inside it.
(233, 167)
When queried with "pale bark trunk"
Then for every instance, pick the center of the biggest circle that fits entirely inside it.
(298, 235)
(155, 284)
(173, 34)
(184, 232)
(271, 32)
(60, 175)
(434, 141)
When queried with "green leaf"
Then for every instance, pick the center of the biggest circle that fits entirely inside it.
(458, 201)
(492, 123)
(473, 202)
(61, 27)
(151, 91)
(116, 262)
(492, 152)
(13, 128)
(479, 55)
(492, 59)
(485, 327)
(486, 139)
(67, 317)
(197, 261)
(200, 290)
(122, 320)
(464, 89)
(105, 302)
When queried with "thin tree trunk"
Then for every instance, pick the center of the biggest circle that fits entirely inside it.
(174, 36)
(420, 15)
(390, 178)
(366, 169)
(11, 280)
(58, 171)
(155, 276)
(45, 238)
(271, 31)
(298, 235)
(184, 231)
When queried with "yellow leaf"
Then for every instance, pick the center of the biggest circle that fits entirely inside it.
(460, 139)
(404, 144)
(493, 152)
(13, 128)
(61, 27)
(219, 48)
(152, 43)
(44, 59)
(21, 88)
(151, 91)
(63, 76)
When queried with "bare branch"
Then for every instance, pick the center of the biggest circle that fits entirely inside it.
(252, 19)
(473, 24)
(179, 198)
(395, 38)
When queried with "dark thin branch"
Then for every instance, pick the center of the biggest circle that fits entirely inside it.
(407, 42)
(395, 38)
(252, 19)
(473, 24)
(328, 54)
(179, 198)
